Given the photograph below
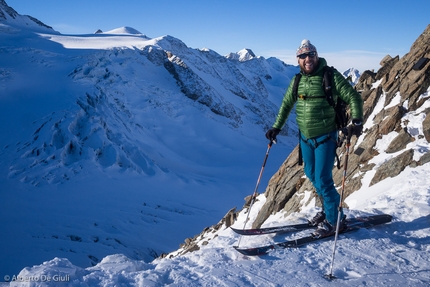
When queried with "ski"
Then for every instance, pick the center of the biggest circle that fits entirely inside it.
(274, 229)
(353, 224)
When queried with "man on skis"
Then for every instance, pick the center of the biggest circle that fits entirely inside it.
(316, 120)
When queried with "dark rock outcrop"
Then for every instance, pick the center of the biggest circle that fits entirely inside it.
(393, 167)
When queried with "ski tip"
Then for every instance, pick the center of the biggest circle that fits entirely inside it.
(240, 231)
(258, 251)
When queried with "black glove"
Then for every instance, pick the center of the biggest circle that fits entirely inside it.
(272, 133)
(357, 127)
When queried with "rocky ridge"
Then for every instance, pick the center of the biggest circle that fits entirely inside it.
(9, 14)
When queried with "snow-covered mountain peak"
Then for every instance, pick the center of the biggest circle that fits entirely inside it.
(6, 11)
(242, 56)
(11, 20)
(124, 30)
(352, 75)
(246, 54)
(170, 43)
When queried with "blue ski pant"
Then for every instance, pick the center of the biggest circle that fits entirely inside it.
(318, 156)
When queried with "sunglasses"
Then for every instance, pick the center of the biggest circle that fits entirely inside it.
(310, 54)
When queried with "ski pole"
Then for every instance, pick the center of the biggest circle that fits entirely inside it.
(254, 195)
(348, 144)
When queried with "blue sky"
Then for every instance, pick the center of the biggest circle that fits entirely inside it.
(358, 34)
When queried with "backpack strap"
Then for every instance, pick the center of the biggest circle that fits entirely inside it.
(296, 85)
(327, 83)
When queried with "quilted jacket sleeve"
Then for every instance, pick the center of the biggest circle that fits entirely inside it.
(286, 107)
(346, 92)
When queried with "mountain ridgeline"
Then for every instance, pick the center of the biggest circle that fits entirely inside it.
(7, 13)
(162, 76)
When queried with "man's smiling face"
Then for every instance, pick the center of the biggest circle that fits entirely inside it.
(308, 62)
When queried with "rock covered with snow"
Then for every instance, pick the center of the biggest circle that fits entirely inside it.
(9, 17)
(352, 75)
(242, 55)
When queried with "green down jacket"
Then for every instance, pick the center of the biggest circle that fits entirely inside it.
(316, 117)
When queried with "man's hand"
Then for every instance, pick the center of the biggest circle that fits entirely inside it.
(357, 127)
(272, 133)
